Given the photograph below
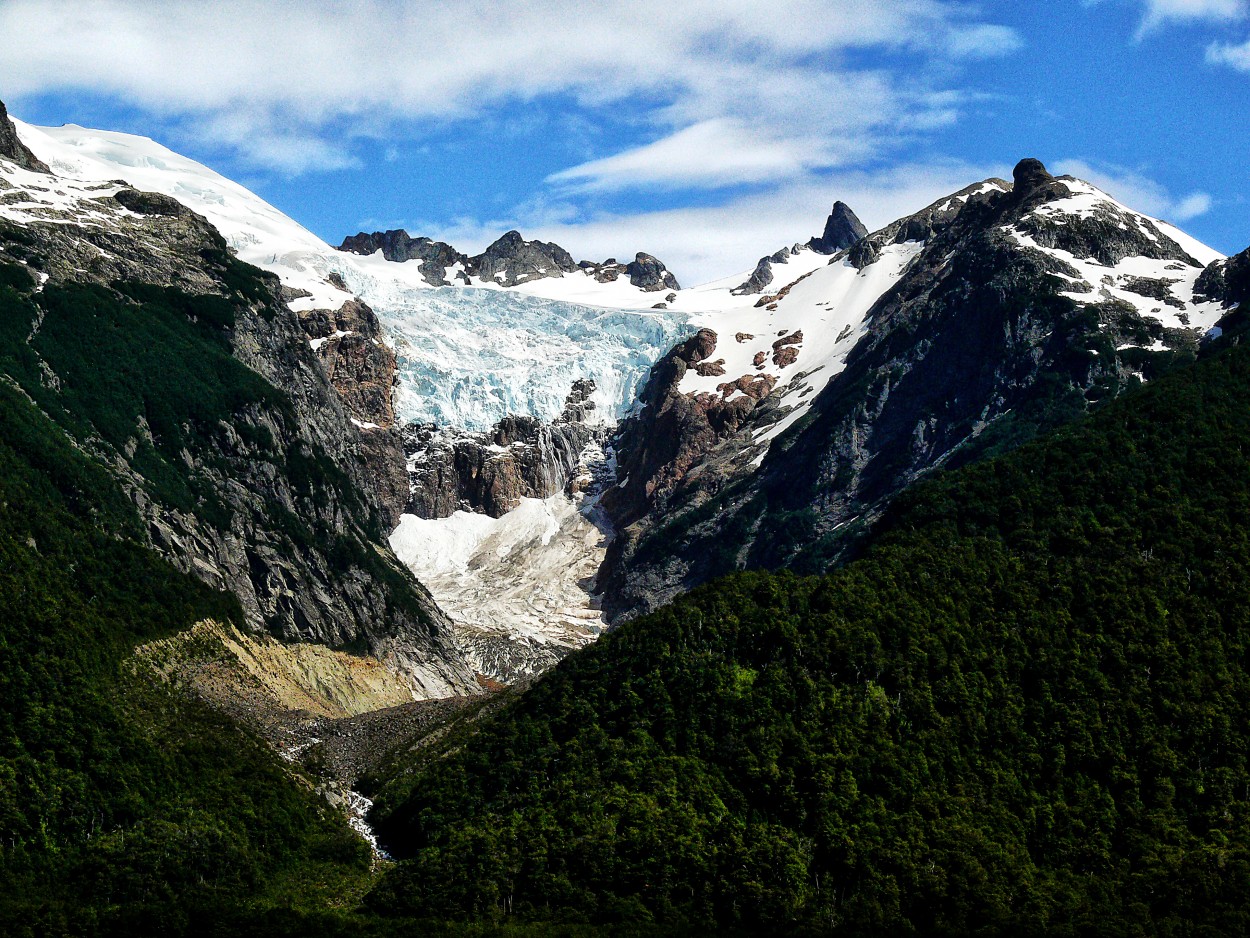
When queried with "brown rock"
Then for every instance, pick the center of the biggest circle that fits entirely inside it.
(755, 387)
(711, 369)
(785, 356)
(361, 368)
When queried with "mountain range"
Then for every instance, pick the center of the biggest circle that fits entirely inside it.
(286, 528)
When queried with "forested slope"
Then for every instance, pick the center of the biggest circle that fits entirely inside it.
(123, 806)
(1026, 708)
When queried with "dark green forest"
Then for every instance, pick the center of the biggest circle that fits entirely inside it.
(1023, 710)
(124, 806)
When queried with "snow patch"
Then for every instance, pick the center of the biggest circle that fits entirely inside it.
(520, 579)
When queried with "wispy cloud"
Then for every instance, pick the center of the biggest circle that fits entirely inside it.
(1138, 191)
(1234, 56)
(1160, 12)
(290, 85)
(715, 152)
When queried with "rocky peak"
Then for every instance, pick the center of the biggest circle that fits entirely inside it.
(397, 245)
(1028, 175)
(12, 148)
(842, 229)
(511, 260)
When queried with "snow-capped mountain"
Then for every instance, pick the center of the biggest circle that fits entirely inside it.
(466, 357)
(462, 360)
(983, 317)
(759, 414)
(216, 435)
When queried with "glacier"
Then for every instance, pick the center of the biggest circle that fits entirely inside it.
(468, 357)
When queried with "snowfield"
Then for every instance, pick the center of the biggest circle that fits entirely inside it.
(516, 586)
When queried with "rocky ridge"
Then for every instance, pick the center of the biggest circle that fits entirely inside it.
(508, 261)
(1018, 305)
(842, 229)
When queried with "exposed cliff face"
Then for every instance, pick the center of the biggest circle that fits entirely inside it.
(12, 148)
(361, 367)
(490, 473)
(1013, 308)
(222, 423)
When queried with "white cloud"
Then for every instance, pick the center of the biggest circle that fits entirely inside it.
(1237, 57)
(1139, 192)
(289, 85)
(1160, 12)
(720, 151)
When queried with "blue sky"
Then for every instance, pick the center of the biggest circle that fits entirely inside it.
(707, 133)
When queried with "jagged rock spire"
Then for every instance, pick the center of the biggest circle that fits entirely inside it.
(842, 229)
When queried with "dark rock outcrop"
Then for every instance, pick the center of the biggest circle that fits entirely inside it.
(842, 229)
(511, 260)
(435, 257)
(12, 148)
(489, 473)
(150, 203)
(761, 277)
(650, 275)
(1029, 174)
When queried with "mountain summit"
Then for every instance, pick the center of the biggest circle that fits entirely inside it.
(842, 229)
(996, 312)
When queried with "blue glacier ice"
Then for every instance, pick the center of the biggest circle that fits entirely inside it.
(468, 357)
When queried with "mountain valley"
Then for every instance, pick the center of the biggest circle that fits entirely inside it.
(892, 585)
